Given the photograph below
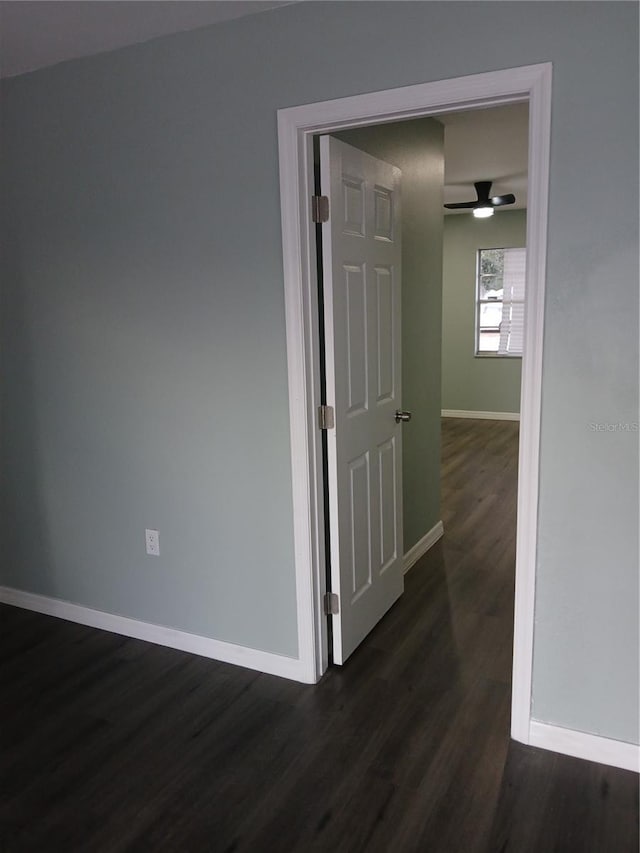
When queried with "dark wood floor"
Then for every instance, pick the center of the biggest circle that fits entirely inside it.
(110, 744)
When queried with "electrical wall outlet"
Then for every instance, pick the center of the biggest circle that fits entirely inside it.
(152, 540)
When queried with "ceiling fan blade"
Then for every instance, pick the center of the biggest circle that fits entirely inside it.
(499, 200)
(458, 205)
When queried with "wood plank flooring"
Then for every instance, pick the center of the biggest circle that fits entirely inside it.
(112, 744)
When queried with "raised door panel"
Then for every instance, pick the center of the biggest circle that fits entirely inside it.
(387, 504)
(356, 344)
(360, 526)
(385, 328)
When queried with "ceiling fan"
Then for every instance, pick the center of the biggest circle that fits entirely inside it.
(483, 206)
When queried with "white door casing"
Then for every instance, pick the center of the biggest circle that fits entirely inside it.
(361, 245)
(296, 128)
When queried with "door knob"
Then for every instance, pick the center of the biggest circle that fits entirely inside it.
(402, 416)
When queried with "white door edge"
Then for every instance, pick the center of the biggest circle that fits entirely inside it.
(296, 126)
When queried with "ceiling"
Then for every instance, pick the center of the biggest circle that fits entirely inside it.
(489, 144)
(486, 145)
(44, 32)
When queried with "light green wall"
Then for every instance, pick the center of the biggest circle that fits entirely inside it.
(143, 335)
(417, 148)
(470, 383)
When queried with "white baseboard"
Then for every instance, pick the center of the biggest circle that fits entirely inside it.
(422, 546)
(483, 416)
(602, 750)
(267, 662)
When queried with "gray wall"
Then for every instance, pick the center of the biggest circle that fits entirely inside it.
(470, 383)
(417, 148)
(143, 348)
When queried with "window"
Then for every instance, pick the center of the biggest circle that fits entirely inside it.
(500, 302)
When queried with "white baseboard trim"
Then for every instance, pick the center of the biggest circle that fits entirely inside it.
(422, 546)
(267, 662)
(483, 416)
(602, 750)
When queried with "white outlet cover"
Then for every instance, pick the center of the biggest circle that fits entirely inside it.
(152, 542)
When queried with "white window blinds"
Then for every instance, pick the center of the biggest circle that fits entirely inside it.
(512, 323)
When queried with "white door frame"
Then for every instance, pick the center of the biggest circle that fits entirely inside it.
(296, 127)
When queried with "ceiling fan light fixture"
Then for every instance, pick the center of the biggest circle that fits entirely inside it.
(482, 212)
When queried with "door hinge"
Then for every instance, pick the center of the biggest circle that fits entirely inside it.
(319, 208)
(331, 604)
(325, 417)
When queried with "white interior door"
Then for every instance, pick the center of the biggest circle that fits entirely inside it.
(361, 276)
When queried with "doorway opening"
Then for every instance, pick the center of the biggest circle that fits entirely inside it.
(297, 126)
(383, 283)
